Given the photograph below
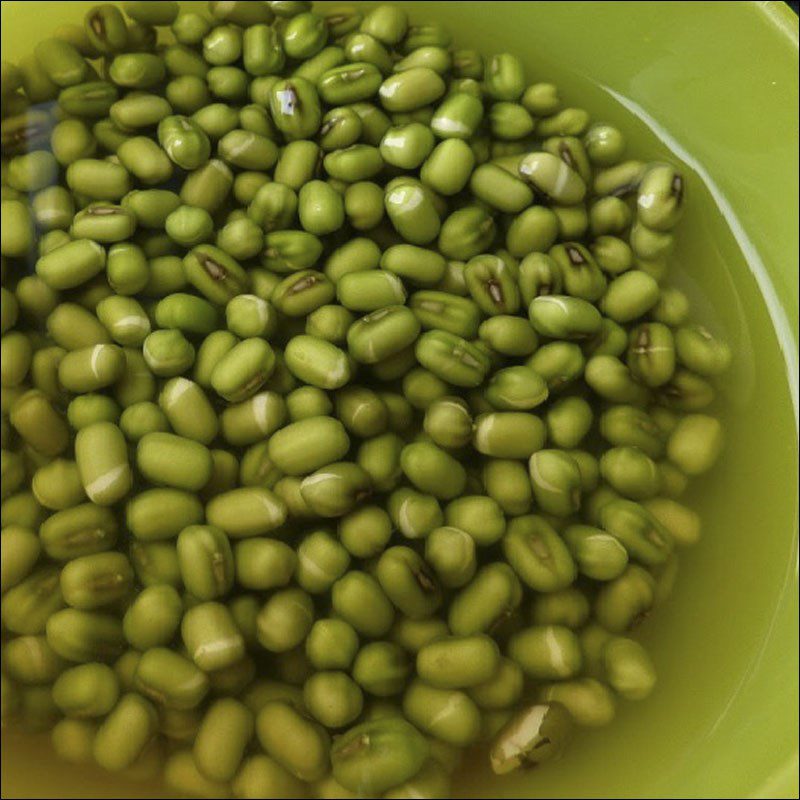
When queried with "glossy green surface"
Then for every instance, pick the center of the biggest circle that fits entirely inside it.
(713, 85)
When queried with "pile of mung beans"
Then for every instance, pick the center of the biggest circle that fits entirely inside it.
(345, 408)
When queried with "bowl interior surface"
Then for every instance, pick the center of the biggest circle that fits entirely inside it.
(714, 87)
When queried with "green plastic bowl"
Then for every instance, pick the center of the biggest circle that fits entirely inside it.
(714, 86)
